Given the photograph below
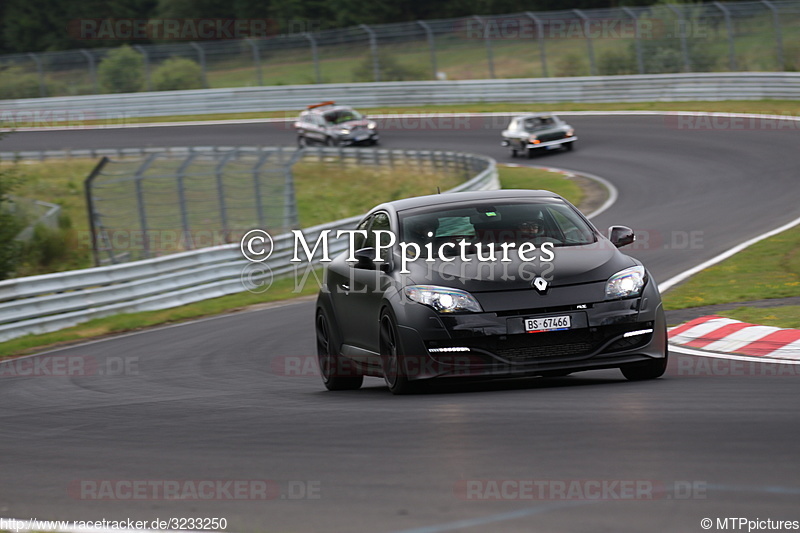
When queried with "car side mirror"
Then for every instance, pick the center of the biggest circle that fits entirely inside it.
(620, 236)
(365, 258)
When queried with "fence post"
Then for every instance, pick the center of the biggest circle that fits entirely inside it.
(731, 44)
(87, 188)
(137, 179)
(92, 70)
(589, 43)
(637, 38)
(257, 187)
(314, 55)
(687, 64)
(431, 46)
(488, 40)
(201, 55)
(182, 200)
(256, 61)
(776, 23)
(146, 57)
(373, 46)
(223, 210)
(540, 36)
(40, 70)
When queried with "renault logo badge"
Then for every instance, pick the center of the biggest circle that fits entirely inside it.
(540, 284)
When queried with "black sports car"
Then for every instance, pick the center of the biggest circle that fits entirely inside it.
(422, 298)
(527, 134)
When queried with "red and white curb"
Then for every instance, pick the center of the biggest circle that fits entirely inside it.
(724, 335)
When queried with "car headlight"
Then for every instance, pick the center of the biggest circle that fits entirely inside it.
(443, 299)
(372, 125)
(570, 132)
(533, 139)
(626, 283)
(344, 131)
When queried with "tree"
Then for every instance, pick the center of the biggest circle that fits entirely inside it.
(122, 71)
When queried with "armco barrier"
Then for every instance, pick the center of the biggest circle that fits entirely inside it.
(50, 302)
(638, 88)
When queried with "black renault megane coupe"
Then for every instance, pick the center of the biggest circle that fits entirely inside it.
(485, 285)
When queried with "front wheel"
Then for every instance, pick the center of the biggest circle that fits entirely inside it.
(330, 141)
(569, 146)
(334, 375)
(302, 142)
(391, 356)
(652, 369)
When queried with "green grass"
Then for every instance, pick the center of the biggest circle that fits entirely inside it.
(285, 288)
(534, 178)
(779, 317)
(767, 269)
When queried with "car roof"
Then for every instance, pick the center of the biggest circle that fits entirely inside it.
(536, 115)
(326, 109)
(463, 197)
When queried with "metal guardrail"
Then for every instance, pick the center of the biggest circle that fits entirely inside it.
(115, 109)
(40, 304)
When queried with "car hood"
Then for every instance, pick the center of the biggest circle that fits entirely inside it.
(571, 265)
(353, 124)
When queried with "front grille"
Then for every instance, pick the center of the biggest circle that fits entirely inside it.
(544, 137)
(550, 346)
(528, 347)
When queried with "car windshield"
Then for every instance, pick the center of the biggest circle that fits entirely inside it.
(342, 115)
(538, 123)
(536, 222)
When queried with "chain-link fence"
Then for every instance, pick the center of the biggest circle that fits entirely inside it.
(172, 201)
(166, 203)
(712, 37)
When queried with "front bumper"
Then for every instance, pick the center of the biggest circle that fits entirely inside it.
(605, 334)
(552, 144)
(359, 137)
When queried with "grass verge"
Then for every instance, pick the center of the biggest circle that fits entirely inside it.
(282, 289)
(768, 269)
(779, 317)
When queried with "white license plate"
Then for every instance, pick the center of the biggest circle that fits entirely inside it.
(551, 323)
(552, 147)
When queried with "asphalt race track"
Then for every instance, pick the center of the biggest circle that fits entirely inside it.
(212, 400)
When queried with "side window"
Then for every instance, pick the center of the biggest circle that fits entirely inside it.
(359, 240)
(380, 221)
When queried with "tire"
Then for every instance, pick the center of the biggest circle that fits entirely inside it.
(329, 362)
(330, 141)
(652, 369)
(302, 142)
(531, 153)
(391, 354)
(514, 152)
(569, 146)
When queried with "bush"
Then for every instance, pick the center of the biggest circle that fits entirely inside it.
(177, 73)
(122, 71)
(16, 82)
(615, 62)
(390, 69)
(572, 65)
(10, 224)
